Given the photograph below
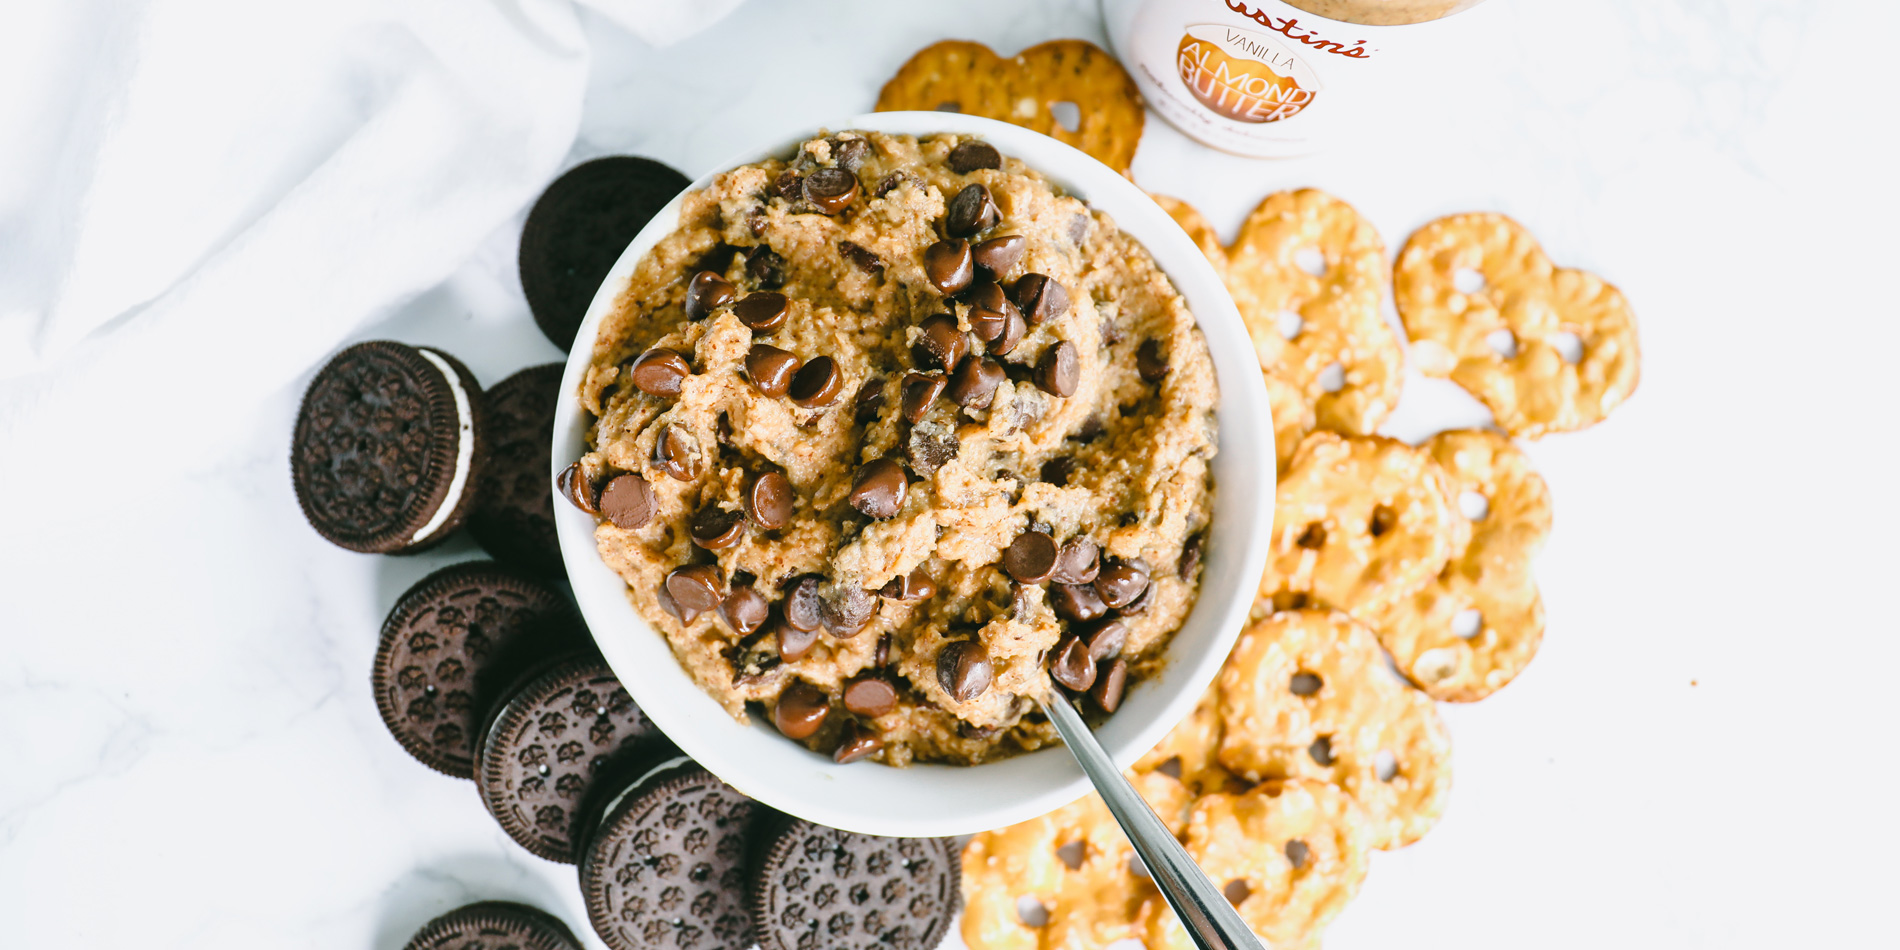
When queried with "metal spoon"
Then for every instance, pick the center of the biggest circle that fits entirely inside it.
(1210, 920)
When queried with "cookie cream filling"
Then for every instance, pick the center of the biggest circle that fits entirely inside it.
(635, 785)
(464, 447)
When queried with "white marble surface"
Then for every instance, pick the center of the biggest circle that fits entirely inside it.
(1701, 756)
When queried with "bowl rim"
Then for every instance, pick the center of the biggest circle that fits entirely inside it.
(932, 800)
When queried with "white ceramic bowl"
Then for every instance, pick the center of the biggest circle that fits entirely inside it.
(932, 800)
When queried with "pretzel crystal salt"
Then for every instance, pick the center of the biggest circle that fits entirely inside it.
(1307, 694)
(966, 77)
(1466, 659)
(1485, 306)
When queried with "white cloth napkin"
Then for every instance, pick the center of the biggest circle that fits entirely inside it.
(199, 199)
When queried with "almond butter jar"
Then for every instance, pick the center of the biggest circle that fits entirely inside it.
(1269, 78)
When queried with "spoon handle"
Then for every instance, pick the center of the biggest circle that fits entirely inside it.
(1210, 920)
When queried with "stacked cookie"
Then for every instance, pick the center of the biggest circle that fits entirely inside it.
(1397, 575)
(397, 446)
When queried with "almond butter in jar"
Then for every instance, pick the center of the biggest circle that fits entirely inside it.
(1269, 78)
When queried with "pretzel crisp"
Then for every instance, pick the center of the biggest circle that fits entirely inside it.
(1198, 230)
(1289, 854)
(1491, 576)
(1075, 862)
(1358, 524)
(966, 77)
(1337, 309)
(1502, 335)
(1307, 694)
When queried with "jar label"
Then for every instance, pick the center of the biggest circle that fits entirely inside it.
(1244, 75)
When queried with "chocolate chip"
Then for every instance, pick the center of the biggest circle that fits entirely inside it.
(857, 741)
(869, 695)
(722, 428)
(972, 210)
(831, 190)
(1121, 581)
(801, 709)
(869, 402)
(1191, 556)
(762, 312)
(1041, 298)
(1000, 330)
(627, 501)
(970, 156)
(816, 383)
(802, 603)
(940, 343)
(678, 453)
(1079, 228)
(765, 266)
(1019, 604)
(794, 643)
(787, 185)
(716, 529)
(861, 257)
(920, 390)
(1110, 330)
(1070, 664)
(930, 446)
(576, 488)
(1105, 641)
(696, 588)
(707, 292)
(910, 588)
(1149, 362)
(745, 609)
(881, 654)
(986, 294)
(1110, 680)
(974, 383)
(846, 610)
(1313, 538)
(1078, 562)
(998, 254)
(769, 501)
(849, 153)
(1058, 470)
(1077, 602)
(770, 369)
(878, 488)
(1058, 371)
(947, 265)
(964, 670)
(1171, 768)
(1031, 557)
(890, 183)
(660, 372)
(1139, 604)
(972, 731)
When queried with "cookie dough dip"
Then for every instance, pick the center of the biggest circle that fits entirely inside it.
(891, 432)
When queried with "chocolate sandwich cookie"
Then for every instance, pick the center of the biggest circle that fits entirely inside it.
(819, 888)
(557, 734)
(578, 228)
(494, 925)
(514, 509)
(388, 448)
(666, 865)
(448, 647)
